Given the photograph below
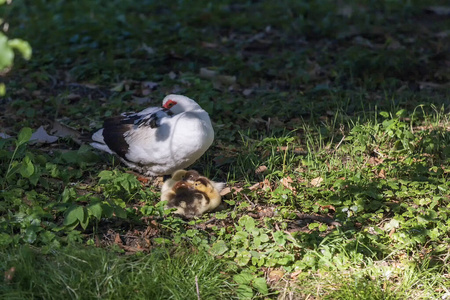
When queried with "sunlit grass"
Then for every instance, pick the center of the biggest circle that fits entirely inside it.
(89, 273)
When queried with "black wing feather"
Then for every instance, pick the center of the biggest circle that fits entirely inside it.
(115, 128)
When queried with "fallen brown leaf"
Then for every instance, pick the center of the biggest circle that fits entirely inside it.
(330, 207)
(228, 190)
(266, 185)
(265, 212)
(295, 150)
(255, 186)
(62, 130)
(209, 45)
(295, 274)
(316, 181)
(260, 169)
(391, 232)
(275, 275)
(374, 161)
(9, 274)
(286, 182)
(131, 249)
(118, 240)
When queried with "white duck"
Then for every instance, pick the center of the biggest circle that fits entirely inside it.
(158, 141)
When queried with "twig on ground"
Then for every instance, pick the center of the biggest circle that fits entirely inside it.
(340, 142)
(196, 287)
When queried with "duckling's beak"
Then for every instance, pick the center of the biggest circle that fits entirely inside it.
(182, 185)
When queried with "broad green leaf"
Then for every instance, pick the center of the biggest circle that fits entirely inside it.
(241, 237)
(323, 227)
(244, 292)
(30, 234)
(36, 177)
(85, 221)
(5, 239)
(434, 233)
(125, 183)
(311, 226)
(120, 212)
(257, 241)
(243, 278)
(95, 210)
(68, 194)
(24, 136)
(2, 89)
(286, 259)
(279, 238)
(401, 113)
(392, 224)
(27, 168)
(247, 222)
(242, 257)
(309, 259)
(191, 232)
(105, 175)
(75, 213)
(6, 53)
(47, 237)
(108, 211)
(218, 248)
(22, 46)
(264, 238)
(384, 114)
(260, 285)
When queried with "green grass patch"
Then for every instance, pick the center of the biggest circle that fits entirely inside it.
(92, 273)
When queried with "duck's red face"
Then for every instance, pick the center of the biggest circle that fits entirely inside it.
(169, 104)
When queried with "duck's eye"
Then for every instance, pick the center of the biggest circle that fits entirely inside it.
(169, 104)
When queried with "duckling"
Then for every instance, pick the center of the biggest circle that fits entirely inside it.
(192, 198)
(184, 198)
(190, 176)
(178, 175)
(210, 196)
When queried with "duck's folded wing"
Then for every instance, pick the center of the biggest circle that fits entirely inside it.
(116, 129)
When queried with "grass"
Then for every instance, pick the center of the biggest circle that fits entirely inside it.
(323, 111)
(86, 273)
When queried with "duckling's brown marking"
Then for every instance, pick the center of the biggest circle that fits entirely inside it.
(191, 194)
(191, 175)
